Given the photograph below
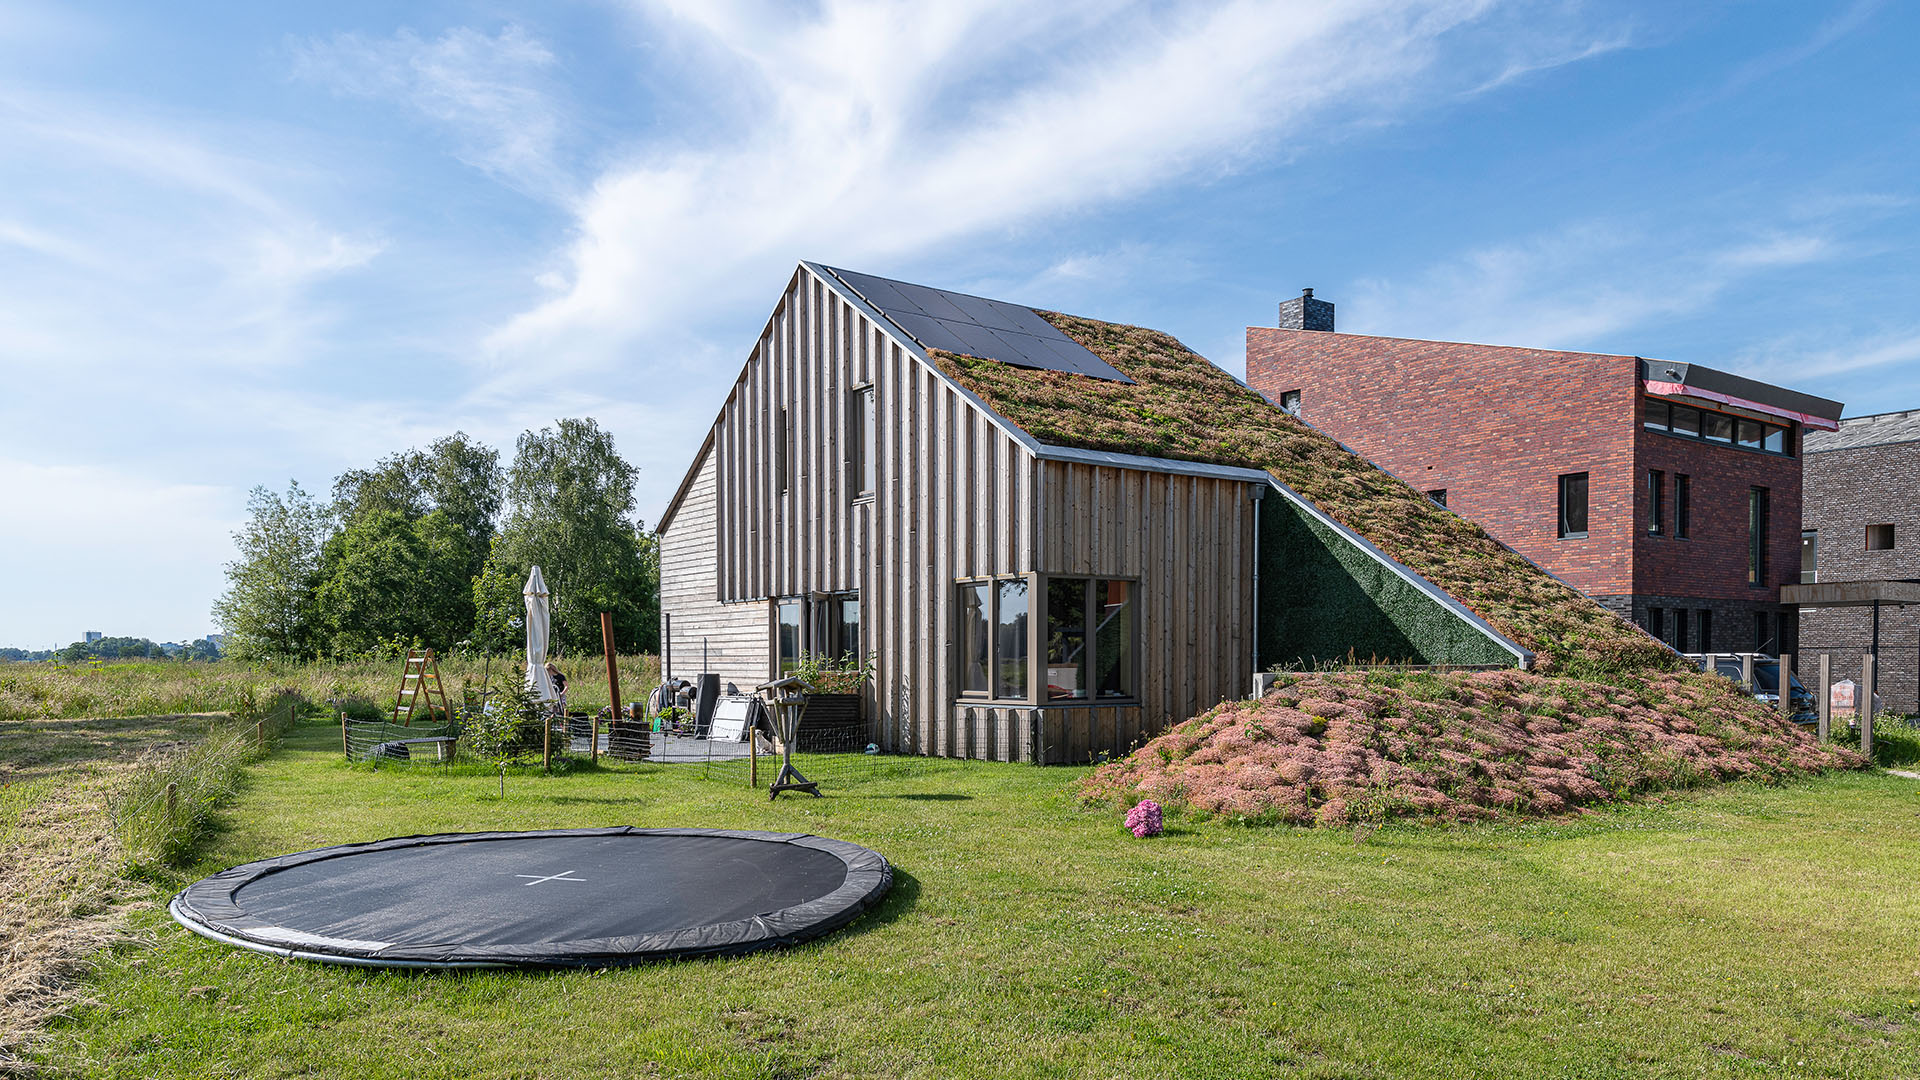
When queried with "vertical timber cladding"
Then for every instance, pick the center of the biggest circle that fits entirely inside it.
(733, 635)
(952, 501)
(1188, 541)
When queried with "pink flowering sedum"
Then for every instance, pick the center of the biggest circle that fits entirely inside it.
(1342, 747)
(1144, 819)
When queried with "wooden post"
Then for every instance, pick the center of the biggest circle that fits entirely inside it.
(1826, 696)
(546, 747)
(753, 758)
(613, 678)
(345, 746)
(1746, 671)
(1784, 684)
(173, 791)
(1863, 705)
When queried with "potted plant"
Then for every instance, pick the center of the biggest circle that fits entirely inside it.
(833, 713)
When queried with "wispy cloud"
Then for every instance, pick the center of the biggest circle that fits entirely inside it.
(492, 93)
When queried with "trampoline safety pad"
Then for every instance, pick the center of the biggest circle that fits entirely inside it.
(557, 898)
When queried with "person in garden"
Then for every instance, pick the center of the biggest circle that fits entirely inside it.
(559, 682)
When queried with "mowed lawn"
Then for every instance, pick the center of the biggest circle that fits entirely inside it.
(1740, 932)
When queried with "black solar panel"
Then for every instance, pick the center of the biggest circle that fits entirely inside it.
(976, 326)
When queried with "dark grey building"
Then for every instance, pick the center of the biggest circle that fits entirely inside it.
(1860, 522)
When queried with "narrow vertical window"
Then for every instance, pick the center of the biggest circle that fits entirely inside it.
(1762, 639)
(1656, 502)
(1066, 638)
(1682, 506)
(1657, 623)
(1010, 640)
(847, 632)
(1706, 629)
(860, 449)
(1757, 536)
(1809, 556)
(1113, 638)
(1573, 505)
(782, 452)
(976, 637)
(1681, 639)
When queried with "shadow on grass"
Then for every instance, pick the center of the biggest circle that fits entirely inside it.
(900, 899)
(928, 796)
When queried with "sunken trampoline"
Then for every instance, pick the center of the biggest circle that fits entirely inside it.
(559, 898)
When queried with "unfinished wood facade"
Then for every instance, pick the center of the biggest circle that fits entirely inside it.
(959, 495)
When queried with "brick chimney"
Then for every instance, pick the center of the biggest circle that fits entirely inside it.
(1306, 313)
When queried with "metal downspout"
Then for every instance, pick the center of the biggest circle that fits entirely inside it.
(1259, 493)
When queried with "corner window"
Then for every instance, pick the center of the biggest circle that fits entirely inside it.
(992, 638)
(1686, 421)
(1656, 502)
(1757, 536)
(1089, 642)
(1682, 506)
(1573, 506)
(1809, 556)
(1290, 402)
(1655, 414)
(1689, 422)
(1880, 538)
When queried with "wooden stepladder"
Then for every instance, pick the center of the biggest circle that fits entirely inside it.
(422, 677)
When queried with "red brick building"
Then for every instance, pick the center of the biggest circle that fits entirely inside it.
(1669, 492)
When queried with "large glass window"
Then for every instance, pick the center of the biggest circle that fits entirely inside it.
(1573, 505)
(1749, 433)
(846, 628)
(1809, 556)
(788, 617)
(1066, 638)
(976, 637)
(1693, 423)
(1716, 427)
(1686, 421)
(1010, 639)
(1654, 415)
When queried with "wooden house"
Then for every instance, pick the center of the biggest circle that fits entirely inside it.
(915, 477)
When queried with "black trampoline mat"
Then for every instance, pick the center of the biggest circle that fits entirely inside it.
(581, 896)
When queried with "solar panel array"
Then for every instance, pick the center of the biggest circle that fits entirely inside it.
(976, 326)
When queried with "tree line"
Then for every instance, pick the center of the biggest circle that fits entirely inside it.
(430, 548)
(118, 648)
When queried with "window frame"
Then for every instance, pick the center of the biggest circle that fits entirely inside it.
(1759, 524)
(1036, 641)
(1663, 416)
(1657, 502)
(863, 470)
(1089, 636)
(1892, 537)
(1586, 500)
(1682, 506)
(1291, 402)
(1809, 545)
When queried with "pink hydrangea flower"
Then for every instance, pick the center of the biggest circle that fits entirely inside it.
(1144, 819)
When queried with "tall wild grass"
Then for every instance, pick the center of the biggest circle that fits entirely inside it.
(34, 691)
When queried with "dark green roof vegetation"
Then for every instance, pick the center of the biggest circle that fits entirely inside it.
(1180, 406)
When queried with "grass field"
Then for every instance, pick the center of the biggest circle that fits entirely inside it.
(1744, 931)
(34, 691)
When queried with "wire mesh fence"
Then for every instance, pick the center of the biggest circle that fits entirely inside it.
(385, 742)
(831, 758)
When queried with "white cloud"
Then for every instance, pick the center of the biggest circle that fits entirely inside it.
(867, 133)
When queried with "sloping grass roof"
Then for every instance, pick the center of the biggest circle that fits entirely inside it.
(1183, 407)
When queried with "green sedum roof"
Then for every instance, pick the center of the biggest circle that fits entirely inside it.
(1180, 406)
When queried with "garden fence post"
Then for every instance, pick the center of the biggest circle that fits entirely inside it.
(1826, 695)
(1746, 671)
(1784, 684)
(173, 792)
(345, 746)
(1863, 705)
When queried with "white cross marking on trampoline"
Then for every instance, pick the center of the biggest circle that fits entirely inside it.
(564, 875)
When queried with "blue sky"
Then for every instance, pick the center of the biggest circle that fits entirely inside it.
(247, 243)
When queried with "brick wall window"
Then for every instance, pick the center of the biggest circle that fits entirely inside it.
(1757, 536)
(1681, 639)
(1706, 629)
(1691, 423)
(1682, 506)
(1657, 622)
(1879, 538)
(1656, 502)
(1290, 402)
(1573, 506)
(1762, 632)
(1438, 495)
(1809, 556)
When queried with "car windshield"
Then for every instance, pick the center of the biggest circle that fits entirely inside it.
(1766, 675)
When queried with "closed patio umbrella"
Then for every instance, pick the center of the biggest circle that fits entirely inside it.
(536, 594)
